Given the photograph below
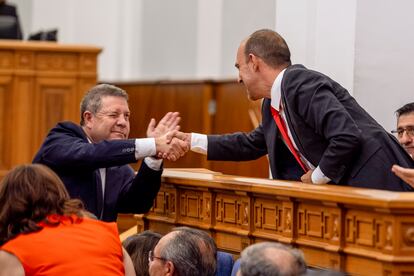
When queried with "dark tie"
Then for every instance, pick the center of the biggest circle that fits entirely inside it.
(282, 128)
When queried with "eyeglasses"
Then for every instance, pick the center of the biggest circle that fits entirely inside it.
(151, 257)
(400, 131)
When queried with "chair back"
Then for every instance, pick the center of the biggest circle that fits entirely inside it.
(224, 263)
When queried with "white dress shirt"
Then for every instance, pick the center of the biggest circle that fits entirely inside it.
(199, 142)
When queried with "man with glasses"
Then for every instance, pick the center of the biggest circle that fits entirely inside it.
(405, 135)
(183, 252)
(405, 127)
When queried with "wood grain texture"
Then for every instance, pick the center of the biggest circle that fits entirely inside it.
(360, 231)
(41, 83)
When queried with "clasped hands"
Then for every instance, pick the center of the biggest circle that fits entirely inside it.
(170, 143)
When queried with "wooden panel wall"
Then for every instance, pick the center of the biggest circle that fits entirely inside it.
(210, 107)
(360, 231)
(41, 83)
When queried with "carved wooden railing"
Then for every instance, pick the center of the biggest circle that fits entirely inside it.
(360, 231)
(41, 83)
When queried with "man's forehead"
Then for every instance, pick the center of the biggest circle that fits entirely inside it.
(165, 239)
(112, 102)
(406, 119)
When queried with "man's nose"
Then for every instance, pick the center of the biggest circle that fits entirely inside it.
(122, 120)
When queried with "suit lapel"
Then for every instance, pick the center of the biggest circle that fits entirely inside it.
(290, 123)
(99, 198)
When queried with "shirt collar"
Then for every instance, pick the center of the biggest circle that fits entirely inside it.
(276, 92)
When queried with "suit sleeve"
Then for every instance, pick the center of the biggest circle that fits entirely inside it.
(64, 149)
(238, 146)
(321, 109)
(138, 193)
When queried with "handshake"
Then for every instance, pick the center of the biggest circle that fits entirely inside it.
(170, 143)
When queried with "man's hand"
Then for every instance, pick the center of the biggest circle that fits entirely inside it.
(185, 137)
(307, 177)
(168, 123)
(170, 146)
(405, 174)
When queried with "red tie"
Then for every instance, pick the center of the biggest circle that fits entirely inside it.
(282, 128)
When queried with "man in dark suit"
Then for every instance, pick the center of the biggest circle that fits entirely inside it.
(327, 137)
(92, 159)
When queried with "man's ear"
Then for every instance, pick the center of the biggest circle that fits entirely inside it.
(169, 268)
(87, 117)
(255, 62)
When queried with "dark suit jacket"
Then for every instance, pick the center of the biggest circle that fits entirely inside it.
(330, 129)
(67, 151)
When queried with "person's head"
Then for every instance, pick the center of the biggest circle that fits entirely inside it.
(180, 253)
(271, 259)
(105, 113)
(138, 247)
(28, 195)
(207, 246)
(405, 127)
(259, 59)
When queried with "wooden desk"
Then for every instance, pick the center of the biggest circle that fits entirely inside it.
(361, 231)
(41, 83)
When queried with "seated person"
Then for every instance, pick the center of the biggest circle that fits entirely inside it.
(405, 127)
(43, 231)
(271, 259)
(138, 247)
(92, 158)
(184, 252)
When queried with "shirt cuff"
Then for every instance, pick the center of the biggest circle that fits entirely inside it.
(144, 147)
(199, 143)
(153, 163)
(318, 177)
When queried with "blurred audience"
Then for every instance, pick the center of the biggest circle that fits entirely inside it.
(44, 232)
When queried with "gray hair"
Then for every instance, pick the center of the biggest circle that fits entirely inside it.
(269, 46)
(206, 245)
(271, 259)
(92, 101)
(183, 251)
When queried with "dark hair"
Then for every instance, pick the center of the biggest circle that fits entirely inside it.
(92, 101)
(256, 260)
(269, 46)
(407, 108)
(28, 195)
(207, 245)
(138, 247)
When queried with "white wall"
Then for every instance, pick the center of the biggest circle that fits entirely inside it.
(384, 67)
(366, 46)
(321, 35)
(24, 11)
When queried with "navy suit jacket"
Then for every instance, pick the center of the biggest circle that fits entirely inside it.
(67, 151)
(330, 129)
